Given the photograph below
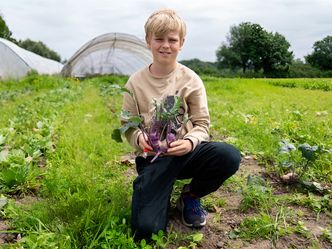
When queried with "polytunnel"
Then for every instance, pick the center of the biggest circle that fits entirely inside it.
(111, 53)
(16, 62)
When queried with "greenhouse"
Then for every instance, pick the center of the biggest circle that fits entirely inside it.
(111, 53)
(16, 62)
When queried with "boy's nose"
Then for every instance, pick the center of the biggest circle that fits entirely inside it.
(165, 44)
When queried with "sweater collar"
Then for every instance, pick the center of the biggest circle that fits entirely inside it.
(163, 76)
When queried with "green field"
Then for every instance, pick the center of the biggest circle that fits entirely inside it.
(64, 185)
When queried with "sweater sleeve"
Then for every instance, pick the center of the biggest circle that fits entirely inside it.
(130, 106)
(198, 114)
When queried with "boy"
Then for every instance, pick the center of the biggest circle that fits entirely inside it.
(208, 164)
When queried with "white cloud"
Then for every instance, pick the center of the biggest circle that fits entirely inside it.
(66, 25)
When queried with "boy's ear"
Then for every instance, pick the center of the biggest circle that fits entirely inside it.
(147, 40)
(182, 43)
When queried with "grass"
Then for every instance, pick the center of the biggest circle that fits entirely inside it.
(83, 193)
(84, 188)
(256, 116)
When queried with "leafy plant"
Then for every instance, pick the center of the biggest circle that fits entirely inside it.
(299, 159)
(160, 239)
(327, 234)
(317, 204)
(257, 195)
(163, 127)
(194, 241)
(263, 226)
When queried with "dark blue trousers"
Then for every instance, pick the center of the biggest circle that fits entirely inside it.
(209, 165)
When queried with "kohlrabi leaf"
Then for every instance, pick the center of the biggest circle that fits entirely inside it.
(116, 135)
(120, 89)
(133, 122)
(308, 152)
(170, 107)
(286, 147)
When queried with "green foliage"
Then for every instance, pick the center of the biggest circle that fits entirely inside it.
(39, 48)
(202, 67)
(194, 241)
(327, 234)
(28, 137)
(55, 137)
(299, 69)
(321, 57)
(255, 116)
(264, 226)
(298, 159)
(312, 84)
(251, 47)
(257, 195)
(4, 30)
(318, 204)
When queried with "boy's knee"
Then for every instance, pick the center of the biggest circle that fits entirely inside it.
(235, 159)
(230, 157)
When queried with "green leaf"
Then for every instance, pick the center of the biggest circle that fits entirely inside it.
(233, 235)
(3, 201)
(286, 147)
(116, 135)
(197, 237)
(4, 155)
(2, 139)
(125, 114)
(308, 152)
(160, 233)
(135, 120)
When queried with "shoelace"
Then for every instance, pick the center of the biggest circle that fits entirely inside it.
(195, 206)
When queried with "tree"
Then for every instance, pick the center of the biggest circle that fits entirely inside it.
(251, 47)
(244, 40)
(36, 47)
(39, 48)
(201, 67)
(276, 57)
(229, 58)
(321, 57)
(4, 30)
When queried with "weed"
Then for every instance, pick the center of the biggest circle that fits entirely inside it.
(315, 203)
(257, 195)
(211, 203)
(264, 226)
(327, 234)
(301, 229)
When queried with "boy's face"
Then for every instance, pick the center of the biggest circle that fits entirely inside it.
(165, 48)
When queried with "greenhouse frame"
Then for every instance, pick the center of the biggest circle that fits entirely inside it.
(16, 62)
(111, 53)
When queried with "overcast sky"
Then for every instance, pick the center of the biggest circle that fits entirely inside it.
(66, 25)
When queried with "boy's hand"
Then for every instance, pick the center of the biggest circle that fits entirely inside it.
(180, 147)
(143, 142)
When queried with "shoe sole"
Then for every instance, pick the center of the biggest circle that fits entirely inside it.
(180, 206)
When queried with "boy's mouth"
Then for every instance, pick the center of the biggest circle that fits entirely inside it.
(164, 52)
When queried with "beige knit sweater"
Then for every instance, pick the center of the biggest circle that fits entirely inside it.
(182, 82)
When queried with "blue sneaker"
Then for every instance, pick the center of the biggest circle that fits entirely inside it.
(192, 213)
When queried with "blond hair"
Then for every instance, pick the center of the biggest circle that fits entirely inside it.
(163, 21)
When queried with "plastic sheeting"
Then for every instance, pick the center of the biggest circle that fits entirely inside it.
(16, 62)
(111, 53)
